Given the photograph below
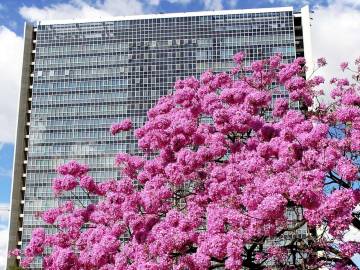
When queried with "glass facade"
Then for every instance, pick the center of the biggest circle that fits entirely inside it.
(89, 75)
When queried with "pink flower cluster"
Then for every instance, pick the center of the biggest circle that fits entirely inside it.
(223, 181)
(73, 174)
(349, 249)
(321, 62)
(124, 125)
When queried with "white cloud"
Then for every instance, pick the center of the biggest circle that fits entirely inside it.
(5, 172)
(4, 217)
(183, 2)
(154, 2)
(352, 235)
(353, 3)
(208, 4)
(232, 3)
(4, 234)
(4, 213)
(10, 72)
(335, 35)
(123, 7)
(213, 4)
(81, 9)
(290, 2)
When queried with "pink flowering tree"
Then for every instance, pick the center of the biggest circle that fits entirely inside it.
(227, 180)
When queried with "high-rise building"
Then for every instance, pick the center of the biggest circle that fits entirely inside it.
(80, 76)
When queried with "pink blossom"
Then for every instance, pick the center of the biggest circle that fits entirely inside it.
(257, 66)
(36, 245)
(51, 215)
(275, 60)
(347, 169)
(130, 164)
(72, 168)
(61, 259)
(281, 106)
(344, 65)
(65, 183)
(288, 71)
(26, 261)
(357, 61)
(321, 62)
(124, 125)
(15, 252)
(317, 80)
(277, 252)
(347, 114)
(349, 249)
(88, 183)
(239, 58)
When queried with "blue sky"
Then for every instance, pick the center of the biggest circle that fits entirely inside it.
(13, 19)
(335, 34)
(6, 156)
